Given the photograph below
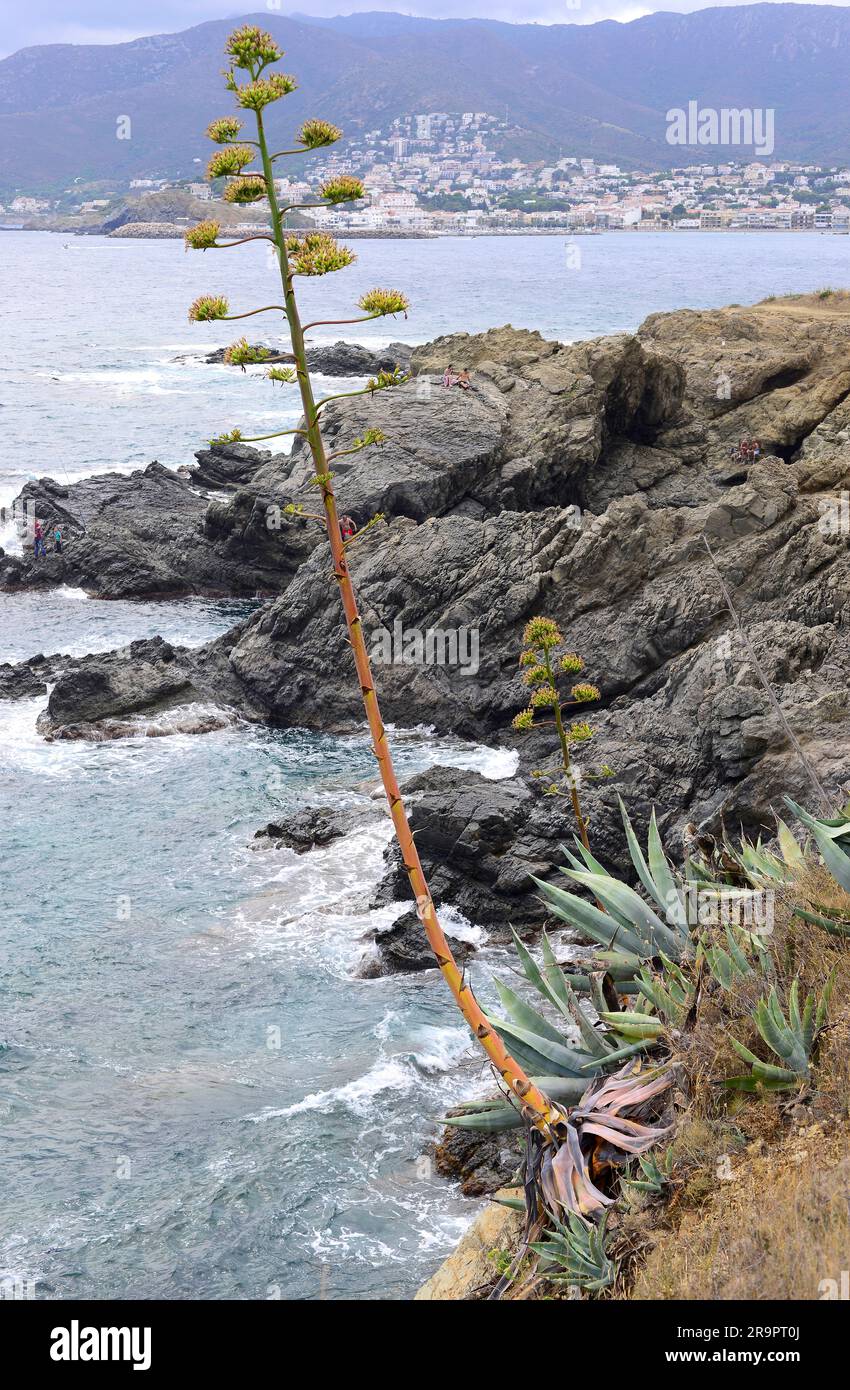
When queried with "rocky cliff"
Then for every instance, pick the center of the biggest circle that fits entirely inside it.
(576, 481)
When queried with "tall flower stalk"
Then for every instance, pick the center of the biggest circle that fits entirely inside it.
(541, 639)
(252, 52)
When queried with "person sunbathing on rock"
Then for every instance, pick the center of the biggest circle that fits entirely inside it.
(463, 381)
(449, 378)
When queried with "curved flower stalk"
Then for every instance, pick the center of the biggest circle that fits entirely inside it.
(251, 52)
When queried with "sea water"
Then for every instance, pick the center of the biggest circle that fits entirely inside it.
(199, 1097)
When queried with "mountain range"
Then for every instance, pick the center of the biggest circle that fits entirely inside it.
(600, 90)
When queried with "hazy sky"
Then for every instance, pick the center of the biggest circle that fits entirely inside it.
(105, 21)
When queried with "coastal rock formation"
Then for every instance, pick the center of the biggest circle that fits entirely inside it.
(315, 826)
(576, 481)
(339, 359)
(154, 532)
(479, 840)
(401, 949)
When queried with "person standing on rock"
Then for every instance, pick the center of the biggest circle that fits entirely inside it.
(57, 541)
(39, 547)
(347, 528)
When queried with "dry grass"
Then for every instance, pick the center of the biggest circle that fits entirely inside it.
(761, 1207)
(826, 300)
(773, 1230)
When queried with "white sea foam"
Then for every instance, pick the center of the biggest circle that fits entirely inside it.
(357, 1095)
(440, 1049)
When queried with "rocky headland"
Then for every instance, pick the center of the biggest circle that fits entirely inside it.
(574, 481)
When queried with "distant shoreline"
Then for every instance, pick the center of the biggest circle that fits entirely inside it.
(168, 232)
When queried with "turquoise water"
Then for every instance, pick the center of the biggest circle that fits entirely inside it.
(198, 1098)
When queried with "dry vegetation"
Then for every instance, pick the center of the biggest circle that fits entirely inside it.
(759, 1206)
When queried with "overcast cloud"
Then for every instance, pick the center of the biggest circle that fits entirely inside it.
(115, 21)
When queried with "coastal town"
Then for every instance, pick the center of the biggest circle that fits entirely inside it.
(437, 172)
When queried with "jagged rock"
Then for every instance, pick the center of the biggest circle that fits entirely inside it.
(147, 534)
(227, 466)
(338, 359)
(94, 695)
(576, 481)
(317, 825)
(25, 679)
(403, 949)
(482, 1163)
(352, 359)
(479, 840)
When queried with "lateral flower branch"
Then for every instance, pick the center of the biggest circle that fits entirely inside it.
(251, 52)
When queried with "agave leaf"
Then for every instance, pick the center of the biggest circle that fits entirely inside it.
(779, 1038)
(570, 1005)
(589, 861)
(671, 904)
(620, 965)
(755, 1083)
(836, 861)
(663, 876)
(807, 1023)
(619, 1053)
(530, 968)
(744, 967)
(588, 919)
(581, 984)
(495, 1114)
(633, 1143)
(512, 1203)
(794, 1018)
(491, 1121)
(634, 1026)
(823, 1003)
(828, 923)
(647, 925)
(763, 1069)
(791, 853)
(564, 1061)
(524, 1014)
(837, 827)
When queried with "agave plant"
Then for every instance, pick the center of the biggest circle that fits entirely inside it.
(656, 1173)
(610, 1121)
(792, 1040)
(630, 930)
(557, 1064)
(832, 838)
(728, 966)
(670, 991)
(573, 1252)
(251, 52)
